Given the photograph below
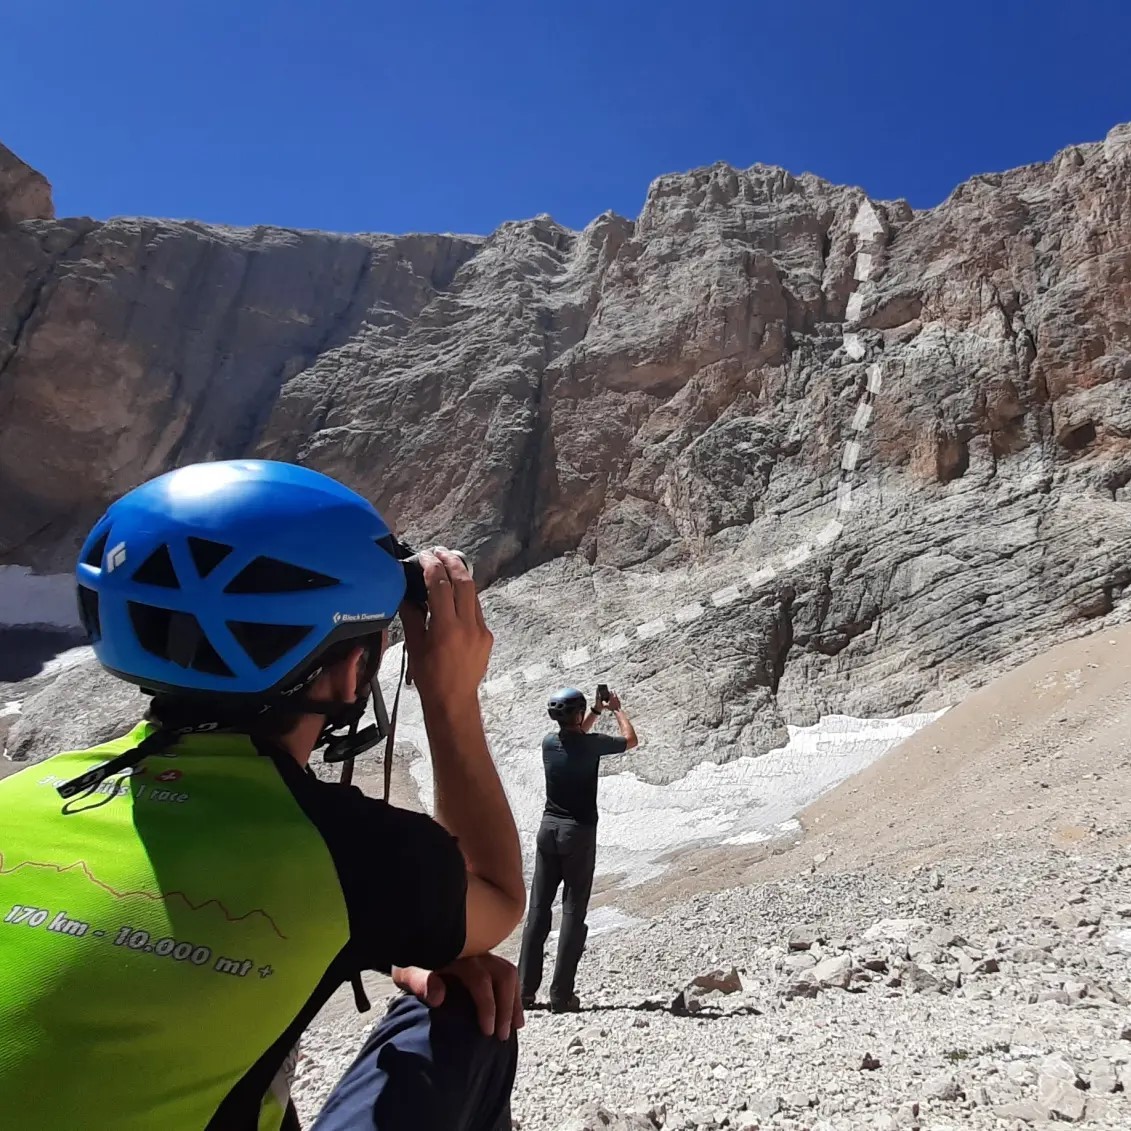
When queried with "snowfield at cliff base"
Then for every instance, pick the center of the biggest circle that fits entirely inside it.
(745, 801)
(740, 802)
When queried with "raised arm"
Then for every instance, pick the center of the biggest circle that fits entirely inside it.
(448, 658)
(627, 730)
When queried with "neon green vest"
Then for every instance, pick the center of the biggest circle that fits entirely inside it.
(158, 938)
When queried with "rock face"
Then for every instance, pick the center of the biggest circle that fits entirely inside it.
(81, 707)
(130, 347)
(621, 421)
(24, 193)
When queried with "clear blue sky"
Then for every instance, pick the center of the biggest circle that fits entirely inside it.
(372, 115)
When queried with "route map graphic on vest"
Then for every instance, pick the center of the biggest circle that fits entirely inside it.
(125, 935)
(76, 900)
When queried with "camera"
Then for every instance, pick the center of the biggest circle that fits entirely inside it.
(415, 589)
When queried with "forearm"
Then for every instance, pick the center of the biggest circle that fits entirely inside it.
(470, 801)
(449, 648)
(627, 731)
(590, 720)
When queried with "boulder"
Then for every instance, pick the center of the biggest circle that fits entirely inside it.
(597, 1117)
(1060, 1091)
(832, 973)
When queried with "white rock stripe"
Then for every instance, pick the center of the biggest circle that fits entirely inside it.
(868, 229)
(615, 643)
(726, 596)
(688, 613)
(575, 658)
(763, 577)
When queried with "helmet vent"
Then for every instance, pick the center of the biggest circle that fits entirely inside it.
(268, 575)
(266, 643)
(88, 613)
(176, 637)
(158, 569)
(206, 554)
(94, 554)
(207, 660)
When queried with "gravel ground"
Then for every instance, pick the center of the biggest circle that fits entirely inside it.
(968, 989)
(949, 945)
(988, 994)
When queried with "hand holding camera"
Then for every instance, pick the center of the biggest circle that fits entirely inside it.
(605, 698)
(447, 639)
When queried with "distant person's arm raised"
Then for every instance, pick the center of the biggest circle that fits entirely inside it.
(627, 730)
(448, 655)
(593, 714)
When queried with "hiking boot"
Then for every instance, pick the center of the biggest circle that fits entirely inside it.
(572, 1004)
(528, 1001)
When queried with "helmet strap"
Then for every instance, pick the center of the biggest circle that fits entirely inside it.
(340, 747)
(85, 784)
(388, 764)
(345, 748)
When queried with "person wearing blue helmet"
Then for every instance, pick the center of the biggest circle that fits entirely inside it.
(567, 839)
(177, 904)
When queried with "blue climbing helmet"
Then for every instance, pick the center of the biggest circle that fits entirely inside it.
(232, 578)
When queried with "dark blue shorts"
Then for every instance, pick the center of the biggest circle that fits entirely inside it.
(426, 1069)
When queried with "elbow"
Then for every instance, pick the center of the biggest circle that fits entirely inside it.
(511, 911)
(633, 743)
(493, 914)
(512, 904)
(518, 910)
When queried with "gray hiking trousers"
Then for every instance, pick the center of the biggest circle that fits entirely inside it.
(566, 854)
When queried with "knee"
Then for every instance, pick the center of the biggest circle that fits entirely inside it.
(539, 912)
(451, 1030)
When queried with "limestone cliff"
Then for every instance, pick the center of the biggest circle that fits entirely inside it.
(619, 421)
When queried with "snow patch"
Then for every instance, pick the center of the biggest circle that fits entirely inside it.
(602, 919)
(67, 659)
(28, 598)
(741, 802)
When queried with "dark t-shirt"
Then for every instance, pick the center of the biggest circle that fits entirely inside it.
(380, 853)
(571, 759)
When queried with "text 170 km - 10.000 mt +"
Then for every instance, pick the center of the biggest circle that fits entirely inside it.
(180, 951)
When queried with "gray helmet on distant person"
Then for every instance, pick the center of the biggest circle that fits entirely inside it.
(565, 703)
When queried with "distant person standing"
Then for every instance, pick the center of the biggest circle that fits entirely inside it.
(567, 839)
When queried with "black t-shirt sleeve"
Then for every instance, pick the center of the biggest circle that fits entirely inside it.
(606, 744)
(405, 883)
